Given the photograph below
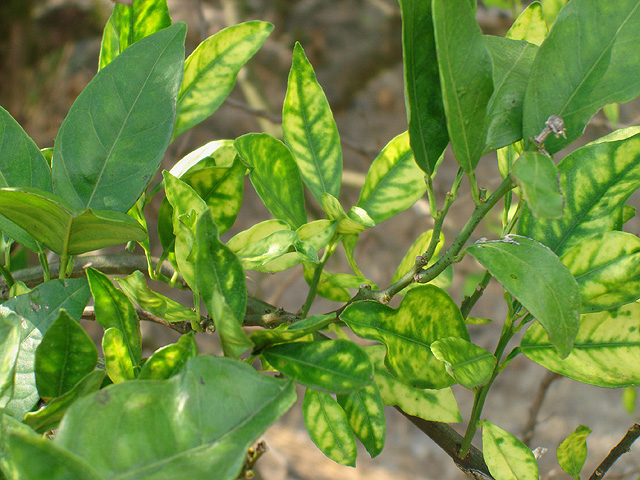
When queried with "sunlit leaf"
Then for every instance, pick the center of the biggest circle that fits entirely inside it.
(285, 334)
(170, 359)
(572, 452)
(117, 360)
(9, 348)
(469, 364)
(506, 456)
(365, 412)
(530, 25)
(219, 153)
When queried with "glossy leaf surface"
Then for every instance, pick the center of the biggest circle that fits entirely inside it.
(506, 456)
(469, 364)
(309, 129)
(607, 269)
(572, 452)
(170, 359)
(393, 183)
(465, 77)
(210, 71)
(9, 348)
(188, 441)
(65, 355)
(588, 71)
(275, 176)
(425, 315)
(338, 366)
(537, 177)
(425, 110)
(285, 334)
(328, 427)
(219, 153)
(365, 412)
(117, 360)
(117, 130)
(605, 353)
(538, 280)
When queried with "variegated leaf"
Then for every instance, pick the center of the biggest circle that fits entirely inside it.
(365, 411)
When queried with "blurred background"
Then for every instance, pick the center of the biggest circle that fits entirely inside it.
(48, 53)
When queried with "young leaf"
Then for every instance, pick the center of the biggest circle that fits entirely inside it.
(128, 24)
(437, 405)
(275, 176)
(365, 411)
(465, 76)
(270, 248)
(338, 366)
(65, 355)
(572, 452)
(506, 456)
(425, 110)
(538, 280)
(607, 269)
(210, 71)
(37, 310)
(117, 130)
(309, 129)
(425, 315)
(328, 427)
(63, 230)
(113, 309)
(170, 359)
(605, 353)
(537, 176)
(219, 153)
(356, 221)
(596, 70)
(117, 360)
(199, 421)
(256, 233)
(394, 181)
(529, 25)
(469, 364)
(609, 170)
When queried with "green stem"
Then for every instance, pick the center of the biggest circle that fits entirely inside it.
(431, 195)
(317, 274)
(45, 266)
(195, 323)
(8, 278)
(471, 300)
(475, 191)
(64, 266)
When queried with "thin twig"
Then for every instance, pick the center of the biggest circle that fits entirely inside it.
(530, 427)
(89, 313)
(621, 448)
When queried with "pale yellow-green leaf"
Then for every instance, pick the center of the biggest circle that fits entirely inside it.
(506, 456)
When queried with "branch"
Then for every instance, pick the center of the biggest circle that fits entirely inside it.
(621, 448)
(89, 313)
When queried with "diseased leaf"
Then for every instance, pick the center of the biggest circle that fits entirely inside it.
(417, 248)
(170, 359)
(506, 456)
(9, 348)
(309, 129)
(538, 280)
(537, 176)
(285, 334)
(328, 427)
(572, 452)
(218, 153)
(117, 360)
(365, 412)
(425, 314)
(529, 25)
(469, 364)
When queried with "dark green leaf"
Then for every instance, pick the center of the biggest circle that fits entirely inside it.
(365, 411)
(572, 452)
(506, 456)
(469, 364)
(425, 110)
(338, 366)
(275, 176)
(574, 75)
(537, 176)
(536, 277)
(65, 355)
(328, 427)
(309, 129)
(117, 130)
(425, 315)
(170, 359)
(465, 76)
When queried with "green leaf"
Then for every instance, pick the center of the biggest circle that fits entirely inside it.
(338, 366)
(274, 175)
(465, 76)
(117, 360)
(437, 405)
(113, 309)
(117, 130)
(326, 288)
(135, 287)
(469, 364)
(629, 397)
(329, 428)
(63, 230)
(267, 249)
(536, 277)
(309, 129)
(220, 280)
(38, 309)
(530, 25)
(365, 411)
(170, 359)
(256, 233)
(200, 421)
(425, 110)
(607, 269)
(425, 314)
(210, 71)
(612, 112)
(609, 170)
(9, 349)
(416, 249)
(537, 176)
(356, 221)
(394, 181)
(606, 351)
(65, 355)
(512, 61)
(506, 456)
(572, 452)
(49, 417)
(551, 8)
(28, 455)
(285, 334)
(218, 153)
(596, 70)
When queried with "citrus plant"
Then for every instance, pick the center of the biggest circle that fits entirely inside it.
(569, 270)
